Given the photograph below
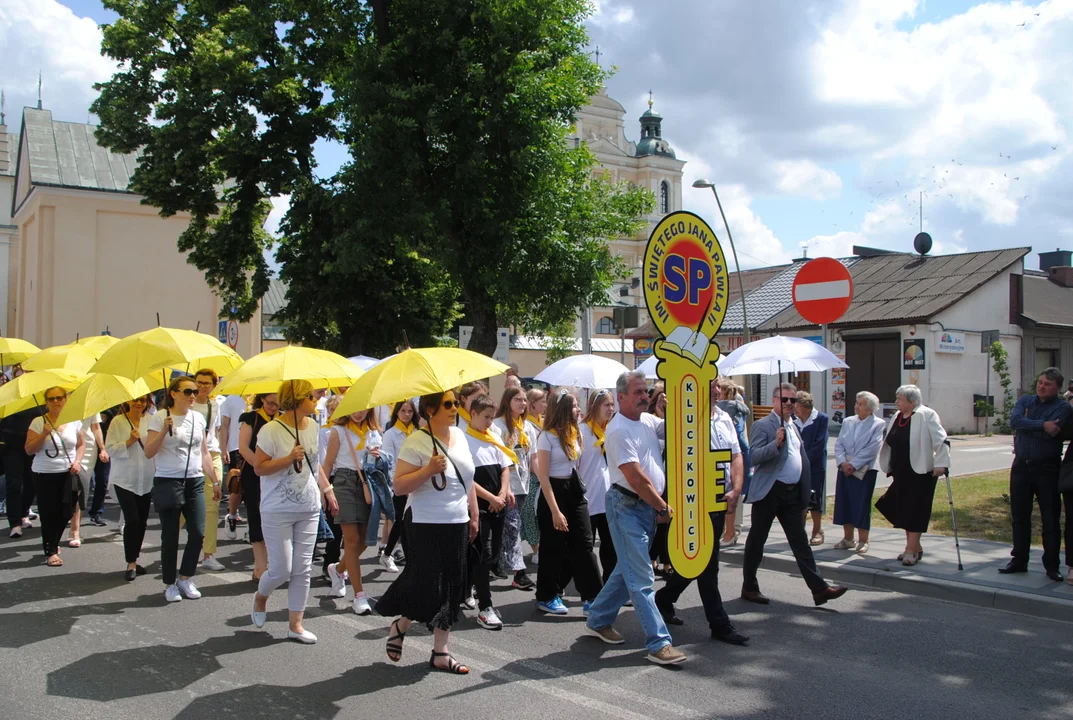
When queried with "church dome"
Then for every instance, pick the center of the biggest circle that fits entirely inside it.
(652, 142)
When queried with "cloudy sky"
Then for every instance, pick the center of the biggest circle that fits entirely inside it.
(819, 122)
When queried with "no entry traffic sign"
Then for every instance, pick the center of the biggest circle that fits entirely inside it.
(823, 290)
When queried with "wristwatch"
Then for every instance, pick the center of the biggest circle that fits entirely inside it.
(664, 511)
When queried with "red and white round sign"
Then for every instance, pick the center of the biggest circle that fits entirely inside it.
(823, 290)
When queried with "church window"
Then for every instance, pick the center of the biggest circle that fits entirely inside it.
(664, 198)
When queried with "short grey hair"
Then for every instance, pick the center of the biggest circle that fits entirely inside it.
(1055, 375)
(622, 385)
(788, 390)
(910, 393)
(871, 400)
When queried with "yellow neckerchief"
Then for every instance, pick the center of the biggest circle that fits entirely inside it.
(403, 428)
(356, 429)
(265, 416)
(464, 413)
(598, 433)
(571, 442)
(489, 438)
(536, 420)
(523, 437)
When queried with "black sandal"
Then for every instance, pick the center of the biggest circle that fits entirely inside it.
(395, 648)
(453, 666)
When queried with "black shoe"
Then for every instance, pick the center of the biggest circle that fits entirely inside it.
(522, 581)
(139, 570)
(666, 609)
(1054, 575)
(729, 634)
(98, 520)
(130, 575)
(500, 574)
(1012, 567)
(400, 558)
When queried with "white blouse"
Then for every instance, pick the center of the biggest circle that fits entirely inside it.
(131, 469)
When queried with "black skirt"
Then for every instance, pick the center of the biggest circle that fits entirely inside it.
(433, 582)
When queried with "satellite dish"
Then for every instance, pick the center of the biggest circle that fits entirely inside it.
(922, 243)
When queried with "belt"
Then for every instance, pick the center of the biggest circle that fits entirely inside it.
(627, 493)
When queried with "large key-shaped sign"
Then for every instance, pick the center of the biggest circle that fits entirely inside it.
(686, 291)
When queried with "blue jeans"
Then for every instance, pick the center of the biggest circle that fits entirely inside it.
(632, 523)
(383, 502)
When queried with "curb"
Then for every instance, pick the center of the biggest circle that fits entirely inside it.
(1025, 603)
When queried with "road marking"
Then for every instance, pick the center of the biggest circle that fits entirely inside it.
(1007, 450)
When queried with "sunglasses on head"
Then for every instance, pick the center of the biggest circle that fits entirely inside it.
(449, 404)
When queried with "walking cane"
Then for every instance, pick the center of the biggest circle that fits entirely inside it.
(953, 516)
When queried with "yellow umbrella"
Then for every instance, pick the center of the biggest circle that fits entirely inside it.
(263, 373)
(27, 391)
(100, 392)
(72, 358)
(420, 371)
(97, 344)
(154, 350)
(13, 351)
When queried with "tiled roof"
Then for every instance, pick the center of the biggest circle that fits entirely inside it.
(1046, 302)
(9, 150)
(276, 297)
(892, 289)
(64, 154)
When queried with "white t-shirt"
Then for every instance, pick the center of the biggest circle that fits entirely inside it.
(348, 443)
(65, 437)
(594, 471)
(393, 440)
(131, 469)
(288, 491)
(485, 456)
(724, 437)
(560, 465)
(89, 458)
(447, 506)
(322, 411)
(181, 450)
(519, 473)
(232, 408)
(636, 441)
(211, 411)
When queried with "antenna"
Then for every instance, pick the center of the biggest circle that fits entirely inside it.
(3, 114)
(921, 211)
(38, 89)
(598, 55)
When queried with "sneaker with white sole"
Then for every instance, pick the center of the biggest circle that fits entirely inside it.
(188, 588)
(211, 563)
(172, 594)
(361, 605)
(231, 531)
(470, 602)
(16, 532)
(554, 606)
(338, 582)
(305, 637)
(27, 523)
(388, 563)
(400, 556)
(489, 619)
(667, 655)
(608, 634)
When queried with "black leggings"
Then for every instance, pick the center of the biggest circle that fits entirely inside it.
(398, 528)
(20, 485)
(55, 506)
(608, 558)
(136, 516)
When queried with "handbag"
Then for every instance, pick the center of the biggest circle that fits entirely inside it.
(365, 490)
(169, 493)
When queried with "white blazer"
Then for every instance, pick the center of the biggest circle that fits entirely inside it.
(927, 442)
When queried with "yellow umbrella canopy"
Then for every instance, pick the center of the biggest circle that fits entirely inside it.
(97, 344)
(72, 358)
(14, 351)
(156, 350)
(100, 392)
(263, 373)
(28, 390)
(420, 371)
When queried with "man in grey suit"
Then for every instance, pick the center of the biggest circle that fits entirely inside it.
(780, 489)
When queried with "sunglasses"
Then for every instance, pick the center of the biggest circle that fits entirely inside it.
(450, 404)
(189, 392)
(789, 400)
(56, 398)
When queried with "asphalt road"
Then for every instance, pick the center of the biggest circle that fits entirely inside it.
(79, 642)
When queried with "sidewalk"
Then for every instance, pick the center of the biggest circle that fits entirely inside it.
(936, 575)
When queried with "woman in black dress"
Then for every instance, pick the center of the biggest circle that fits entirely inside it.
(915, 454)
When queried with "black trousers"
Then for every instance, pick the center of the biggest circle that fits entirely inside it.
(1033, 482)
(783, 502)
(20, 486)
(333, 547)
(101, 471)
(1067, 498)
(707, 584)
(136, 517)
(608, 558)
(193, 509)
(484, 555)
(571, 549)
(398, 528)
(55, 506)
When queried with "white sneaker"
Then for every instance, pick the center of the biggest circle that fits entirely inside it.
(470, 603)
(188, 589)
(305, 637)
(388, 563)
(338, 582)
(361, 605)
(231, 527)
(172, 594)
(211, 563)
(489, 619)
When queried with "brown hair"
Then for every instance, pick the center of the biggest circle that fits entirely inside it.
(470, 388)
(210, 373)
(507, 414)
(597, 401)
(559, 419)
(173, 386)
(481, 403)
(431, 404)
(395, 413)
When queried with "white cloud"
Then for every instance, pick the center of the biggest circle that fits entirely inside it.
(806, 178)
(280, 205)
(608, 12)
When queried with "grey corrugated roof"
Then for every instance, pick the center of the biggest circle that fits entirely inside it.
(535, 342)
(276, 297)
(1047, 303)
(893, 289)
(64, 154)
(9, 152)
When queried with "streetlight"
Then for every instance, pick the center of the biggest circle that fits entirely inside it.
(704, 183)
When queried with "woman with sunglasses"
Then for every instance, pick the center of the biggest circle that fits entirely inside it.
(177, 445)
(352, 438)
(264, 411)
(131, 476)
(521, 435)
(57, 463)
(563, 513)
(595, 474)
(286, 461)
(435, 468)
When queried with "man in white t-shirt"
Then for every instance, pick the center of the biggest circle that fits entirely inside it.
(724, 437)
(634, 506)
(230, 411)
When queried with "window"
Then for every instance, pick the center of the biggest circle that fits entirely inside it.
(1044, 360)
(664, 198)
(606, 326)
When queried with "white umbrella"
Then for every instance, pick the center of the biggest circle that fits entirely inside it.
(649, 366)
(363, 361)
(773, 355)
(583, 371)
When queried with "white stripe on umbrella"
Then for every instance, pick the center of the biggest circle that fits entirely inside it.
(822, 291)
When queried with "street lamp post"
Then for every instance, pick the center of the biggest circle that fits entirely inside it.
(703, 183)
